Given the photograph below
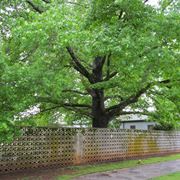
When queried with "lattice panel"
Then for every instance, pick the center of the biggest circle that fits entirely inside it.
(62, 147)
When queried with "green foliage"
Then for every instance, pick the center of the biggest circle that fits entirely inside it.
(36, 68)
(8, 131)
(172, 176)
(165, 126)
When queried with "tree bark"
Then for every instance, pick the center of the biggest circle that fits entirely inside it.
(100, 121)
(100, 118)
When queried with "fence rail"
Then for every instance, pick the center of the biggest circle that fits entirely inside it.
(62, 147)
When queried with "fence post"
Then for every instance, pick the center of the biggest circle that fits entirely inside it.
(78, 147)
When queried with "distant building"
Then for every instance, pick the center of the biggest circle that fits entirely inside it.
(136, 122)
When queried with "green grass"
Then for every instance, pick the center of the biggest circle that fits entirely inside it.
(173, 176)
(83, 170)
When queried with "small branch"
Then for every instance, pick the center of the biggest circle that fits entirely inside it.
(108, 66)
(103, 61)
(110, 76)
(113, 97)
(145, 1)
(46, 1)
(49, 109)
(67, 66)
(134, 112)
(75, 91)
(164, 81)
(148, 51)
(29, 54)
(46, 100)
(76, 105)
(7, 83)
(168, 4)
(120, 15)
(78, 4)
(146, 73)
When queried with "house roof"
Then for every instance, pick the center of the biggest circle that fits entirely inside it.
(133, 118)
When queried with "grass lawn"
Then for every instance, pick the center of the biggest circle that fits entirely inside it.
(83, 170)
(173, 176)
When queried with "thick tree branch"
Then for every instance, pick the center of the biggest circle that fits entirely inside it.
(36, 8)
(98, 63)
(108, 74)
(132, 99)
(117, 109)
(78, 66)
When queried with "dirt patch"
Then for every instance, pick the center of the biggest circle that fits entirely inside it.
(37, 174)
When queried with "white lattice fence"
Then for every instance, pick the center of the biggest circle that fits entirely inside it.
(62, 147)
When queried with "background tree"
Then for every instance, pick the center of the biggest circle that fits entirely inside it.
(94, 61)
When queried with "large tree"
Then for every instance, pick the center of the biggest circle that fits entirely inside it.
(92, 60)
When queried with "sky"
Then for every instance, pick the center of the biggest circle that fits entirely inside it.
(153, 2)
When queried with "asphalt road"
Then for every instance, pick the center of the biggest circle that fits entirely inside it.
(137, 173)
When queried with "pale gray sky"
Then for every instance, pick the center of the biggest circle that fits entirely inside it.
(153, 2)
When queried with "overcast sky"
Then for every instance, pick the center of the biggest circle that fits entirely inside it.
(153, 2)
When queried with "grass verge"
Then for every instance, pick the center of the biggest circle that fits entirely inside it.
(173, 176)
(83, 170)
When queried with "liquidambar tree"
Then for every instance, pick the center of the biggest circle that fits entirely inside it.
(94, 60)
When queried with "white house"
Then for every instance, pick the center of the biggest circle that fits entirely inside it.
(136, 122)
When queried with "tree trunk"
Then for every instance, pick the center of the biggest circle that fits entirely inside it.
(100, 117)
(100, 122)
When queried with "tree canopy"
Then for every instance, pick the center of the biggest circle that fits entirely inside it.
(90, 61)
